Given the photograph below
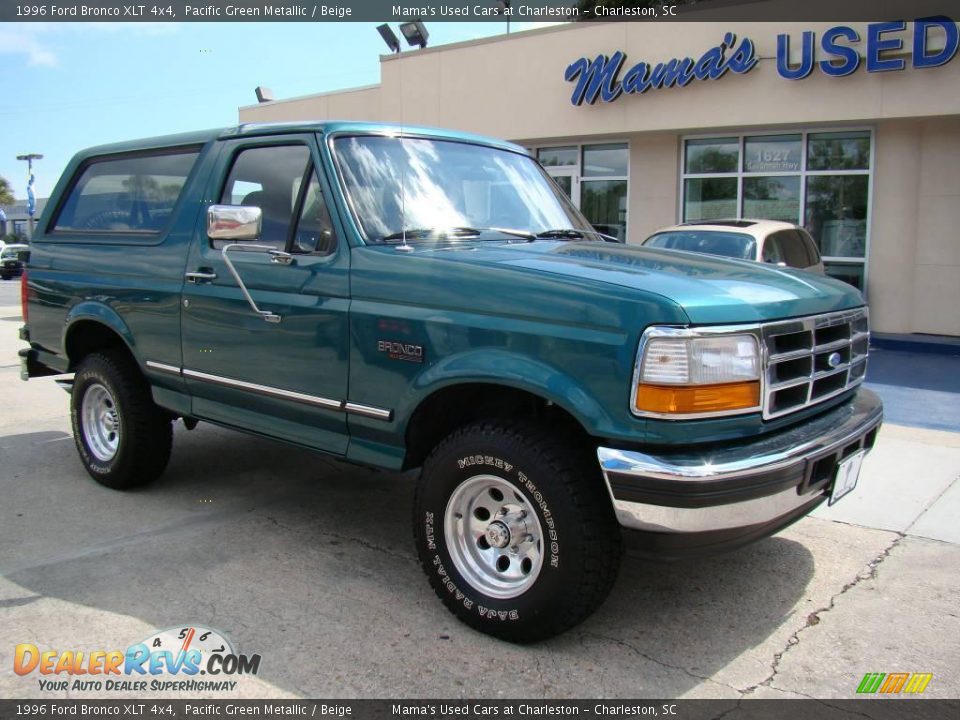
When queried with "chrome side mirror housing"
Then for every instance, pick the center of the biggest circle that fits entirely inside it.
(234, 222)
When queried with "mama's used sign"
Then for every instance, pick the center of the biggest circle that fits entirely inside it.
(603, 77)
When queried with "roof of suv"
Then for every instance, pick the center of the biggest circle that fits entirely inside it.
(202, 137)
(756, 228)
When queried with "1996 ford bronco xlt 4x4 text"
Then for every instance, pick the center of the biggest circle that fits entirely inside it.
(408, 298)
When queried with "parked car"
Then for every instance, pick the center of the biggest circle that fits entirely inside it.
(12, 259)
(417, 298)
(769, 241)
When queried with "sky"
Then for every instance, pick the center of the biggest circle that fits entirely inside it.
(68, 86)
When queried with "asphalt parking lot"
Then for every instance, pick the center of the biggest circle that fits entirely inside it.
(310, 563)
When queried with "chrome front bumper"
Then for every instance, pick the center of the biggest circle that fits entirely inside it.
(740, 485)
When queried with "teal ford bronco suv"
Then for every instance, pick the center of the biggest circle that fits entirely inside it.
(414, 298)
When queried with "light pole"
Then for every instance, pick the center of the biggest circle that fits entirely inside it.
(503, 8)
(31, 197)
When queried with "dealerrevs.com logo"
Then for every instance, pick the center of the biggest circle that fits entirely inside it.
(894, 683)
(170, 661)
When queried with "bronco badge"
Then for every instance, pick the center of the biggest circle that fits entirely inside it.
(401, 351)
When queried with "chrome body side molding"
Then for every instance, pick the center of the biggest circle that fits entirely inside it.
(344, 406)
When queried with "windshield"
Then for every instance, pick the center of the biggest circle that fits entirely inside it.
(398, 185)
(712, 242)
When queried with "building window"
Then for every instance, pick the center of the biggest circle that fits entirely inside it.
(557, 156)
(820, 180)
(595, 178)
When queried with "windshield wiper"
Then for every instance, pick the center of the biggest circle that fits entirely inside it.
(444, 232)
(418, 233)
(575, 234)
(562, 234)
(525, 234)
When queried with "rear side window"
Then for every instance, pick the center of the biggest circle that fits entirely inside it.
(772, 252)
(812, 253)
(132, 194)
(792, 247)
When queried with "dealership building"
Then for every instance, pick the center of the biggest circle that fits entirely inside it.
(850, 129)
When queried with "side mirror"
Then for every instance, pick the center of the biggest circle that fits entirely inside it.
(234, 222)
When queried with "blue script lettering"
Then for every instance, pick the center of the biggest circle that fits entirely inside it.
(599, 78)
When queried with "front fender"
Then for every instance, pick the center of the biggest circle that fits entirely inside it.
(504, 368)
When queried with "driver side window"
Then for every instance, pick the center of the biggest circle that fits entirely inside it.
(268, 178)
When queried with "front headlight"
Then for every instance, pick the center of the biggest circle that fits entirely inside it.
(685, 372)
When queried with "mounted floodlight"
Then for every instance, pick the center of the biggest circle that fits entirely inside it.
(389, 37)
(264, 94)
(415, 33)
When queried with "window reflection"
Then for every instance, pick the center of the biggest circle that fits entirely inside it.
(839, 151)
(710, 198)
(837, 213)
(772, 198)
(398, 184)
(713, 155)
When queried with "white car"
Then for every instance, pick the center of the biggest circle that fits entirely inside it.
(769, 241)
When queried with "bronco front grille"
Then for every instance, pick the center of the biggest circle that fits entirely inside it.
(812, 359)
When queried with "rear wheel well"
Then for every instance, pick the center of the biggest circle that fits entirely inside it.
(453, 407)
(88, 336)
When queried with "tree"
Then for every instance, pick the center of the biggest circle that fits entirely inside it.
(6, 192)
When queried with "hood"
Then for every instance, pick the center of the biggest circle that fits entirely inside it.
(711, 290)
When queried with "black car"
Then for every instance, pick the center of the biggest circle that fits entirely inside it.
(12, 259)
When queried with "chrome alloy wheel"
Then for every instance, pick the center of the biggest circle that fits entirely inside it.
(101, 422)
(494, 537)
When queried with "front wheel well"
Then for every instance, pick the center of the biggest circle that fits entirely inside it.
(89, 336)
(453, 407)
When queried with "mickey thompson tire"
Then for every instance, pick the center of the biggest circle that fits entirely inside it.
(515, 530)
(123, 439)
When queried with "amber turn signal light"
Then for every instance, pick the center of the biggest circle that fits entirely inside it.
(689, 399)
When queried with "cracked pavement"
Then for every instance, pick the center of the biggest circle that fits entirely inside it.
(310, 563)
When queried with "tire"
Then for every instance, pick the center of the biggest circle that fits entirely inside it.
(562, 540)
(124, 440)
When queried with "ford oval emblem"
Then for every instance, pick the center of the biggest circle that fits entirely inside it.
(834, 360)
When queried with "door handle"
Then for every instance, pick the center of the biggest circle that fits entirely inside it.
(278, 257)
(200, 276)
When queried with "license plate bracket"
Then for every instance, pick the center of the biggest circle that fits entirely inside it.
(845, 479)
